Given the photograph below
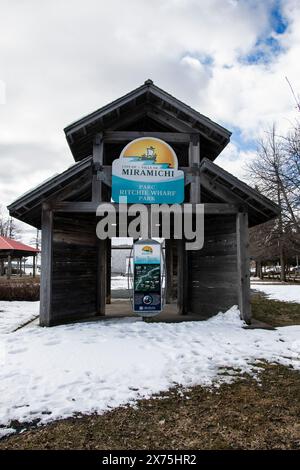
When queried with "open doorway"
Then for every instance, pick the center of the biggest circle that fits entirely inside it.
(119, 266)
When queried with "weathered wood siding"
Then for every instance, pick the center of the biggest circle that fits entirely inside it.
(212, 283)
(74, 270)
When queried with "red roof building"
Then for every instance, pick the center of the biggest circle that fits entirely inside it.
(8, 244)
(12, 249)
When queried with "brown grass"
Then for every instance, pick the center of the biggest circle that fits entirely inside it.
(243, 415)
(20, 288)
(274, 312)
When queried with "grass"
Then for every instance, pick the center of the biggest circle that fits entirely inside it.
(243, 415)
(275, 312)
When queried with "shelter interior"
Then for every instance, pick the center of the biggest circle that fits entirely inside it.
(75, 265)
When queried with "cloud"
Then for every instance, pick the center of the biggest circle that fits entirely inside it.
(235, 161)
(61, 60)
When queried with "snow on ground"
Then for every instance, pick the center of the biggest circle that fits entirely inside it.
(284, 292)
(15, 314)
(51, 373)
(119, 282)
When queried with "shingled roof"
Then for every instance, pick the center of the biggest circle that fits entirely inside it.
(151, 102)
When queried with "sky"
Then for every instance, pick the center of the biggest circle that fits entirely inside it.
(62, 59)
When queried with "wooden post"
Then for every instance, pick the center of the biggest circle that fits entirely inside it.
(33, 265)
(243, 266)
(8, 272)
(108, 272)
(182, 278)
(98, 166)
(169, 270)
(194, 163)
(101, 287)
(20, 271)
(101, 277)
(46, 266)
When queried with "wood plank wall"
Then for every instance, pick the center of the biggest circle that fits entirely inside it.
(212, 284)
(74, 267)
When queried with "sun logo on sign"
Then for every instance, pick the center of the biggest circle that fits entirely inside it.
(147, 249)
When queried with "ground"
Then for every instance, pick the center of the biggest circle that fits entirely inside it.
(217, 390)
(275, 312)
(243, 415)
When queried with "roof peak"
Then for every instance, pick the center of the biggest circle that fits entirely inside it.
(149, 82)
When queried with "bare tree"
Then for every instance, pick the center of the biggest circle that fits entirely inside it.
(275, 176)
(36, 240)
(8, 226)
(292, 165)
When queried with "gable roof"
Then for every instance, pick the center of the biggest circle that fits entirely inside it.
(27, 207)
(8, 244)
(217, 185)
(223, 185)
(147, 98)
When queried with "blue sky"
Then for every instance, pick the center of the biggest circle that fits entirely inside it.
(268, 44)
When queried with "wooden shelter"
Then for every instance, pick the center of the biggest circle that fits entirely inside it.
(10, 250)
(75, 266)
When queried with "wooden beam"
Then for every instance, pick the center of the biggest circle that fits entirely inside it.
(76, 206)
(169, 282)
(101, 277)
(225, 193)
(108, 271)
(128, 117)
(90, 207)
(220, 208)
(34, 266)
(182, 278)
(105, 175)
(169, 120)
(218, 172)
(243, 266)
(56, 183)
(70, 190)
(194, 163)
(98, 146)
(46, 266)
(8, 272)
(123, 136)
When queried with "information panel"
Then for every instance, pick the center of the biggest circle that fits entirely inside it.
(147, 298)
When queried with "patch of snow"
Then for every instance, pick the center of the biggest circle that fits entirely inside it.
(6, 432)
(15, 314)
(53, 373)
(283, 292)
